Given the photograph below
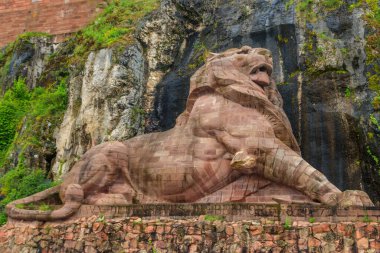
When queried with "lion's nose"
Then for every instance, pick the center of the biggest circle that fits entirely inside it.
(260, 76)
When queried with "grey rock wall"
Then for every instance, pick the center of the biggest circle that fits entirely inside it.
(104, 104)
(320, 68)
(28, 61)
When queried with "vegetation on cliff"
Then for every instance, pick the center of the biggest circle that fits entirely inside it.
(321, 49)
(29, 117)
(113, 27)
(22, 109)
(23, 115)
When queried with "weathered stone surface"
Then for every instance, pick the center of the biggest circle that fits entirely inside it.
(104, 104)
(28, 61)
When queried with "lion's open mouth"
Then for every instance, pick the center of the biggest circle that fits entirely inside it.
(258, 85)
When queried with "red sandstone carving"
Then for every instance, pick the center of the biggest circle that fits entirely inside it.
(232, 143)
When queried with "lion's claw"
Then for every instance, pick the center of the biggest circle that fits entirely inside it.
(354, 198)
(243, 162)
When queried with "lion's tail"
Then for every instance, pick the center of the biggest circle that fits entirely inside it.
(73, 200)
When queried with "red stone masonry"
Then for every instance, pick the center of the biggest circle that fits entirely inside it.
(57, 17)
(136, 235)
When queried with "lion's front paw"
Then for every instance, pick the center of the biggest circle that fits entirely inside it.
(243, 162)
(354, 198)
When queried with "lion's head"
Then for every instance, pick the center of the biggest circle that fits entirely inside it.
(247, 70)
(243, 76)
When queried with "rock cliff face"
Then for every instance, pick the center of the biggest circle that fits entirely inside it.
(320, 66)
(28, 60)
(105, 103)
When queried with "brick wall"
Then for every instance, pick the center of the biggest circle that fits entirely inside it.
(57, 17)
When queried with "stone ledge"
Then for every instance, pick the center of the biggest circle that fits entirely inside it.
(231, 212)
(235, 211)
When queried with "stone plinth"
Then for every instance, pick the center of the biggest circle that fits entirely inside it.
(233, 212)
(263, 229)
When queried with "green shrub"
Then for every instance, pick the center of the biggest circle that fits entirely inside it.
(19, 183)
(13, 107)
(115, 24)
(49, 101)
(18, 104)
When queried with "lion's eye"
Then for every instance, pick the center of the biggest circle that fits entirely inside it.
(257, 70)
(263, 69)
(254, 71)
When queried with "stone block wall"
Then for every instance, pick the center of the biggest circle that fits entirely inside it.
(134, 234)
(57, 17)
(226, 227)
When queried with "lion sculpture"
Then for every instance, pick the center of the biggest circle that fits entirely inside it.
(232, 143)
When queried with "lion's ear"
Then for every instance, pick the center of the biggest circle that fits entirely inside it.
(266, 53)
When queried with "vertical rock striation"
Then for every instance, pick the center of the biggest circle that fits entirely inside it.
(105, 103)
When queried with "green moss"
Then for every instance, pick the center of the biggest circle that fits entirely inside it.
(374, 82)
(35, 206)
(344, 51)
(374, 122)
(310, 11)
(246, 11)
(316, 48)
(374, 157)
(29, 35)
(209, 217)
(304, 5)
(136, 114)
(44, 207)
(347, 92)
(366, 219)
(331, 5)
(289, 4)
(372, 18)
(376, 103)
(282, 39)
(288, 223)
(200, 55)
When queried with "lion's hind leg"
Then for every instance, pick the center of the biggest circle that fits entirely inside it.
(101, 174)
